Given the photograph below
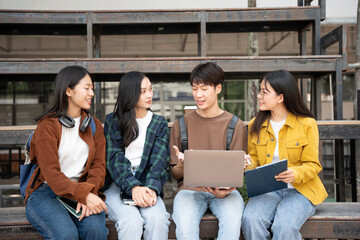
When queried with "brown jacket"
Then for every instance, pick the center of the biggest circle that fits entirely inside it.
(44, 152)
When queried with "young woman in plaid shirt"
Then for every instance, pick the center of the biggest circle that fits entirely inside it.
(137, 158)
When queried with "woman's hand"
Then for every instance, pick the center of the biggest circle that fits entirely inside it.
(179, 154)
(85, 211)
(153, 197)
(219, 193)
(144, 196)
(287, 176)
(95, 204)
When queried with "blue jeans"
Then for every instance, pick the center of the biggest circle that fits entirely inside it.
(131, 220)
(53, 221)
(282, 212)
(190, 206)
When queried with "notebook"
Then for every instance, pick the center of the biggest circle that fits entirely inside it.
(70, 205)
(262, 179)
(213, 168)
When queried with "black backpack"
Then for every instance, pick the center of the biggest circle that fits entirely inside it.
(229, 134)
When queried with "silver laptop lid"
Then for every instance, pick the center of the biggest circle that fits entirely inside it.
(213, 168)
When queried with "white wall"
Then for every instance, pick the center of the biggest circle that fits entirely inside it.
(336, 10)
(119, 4)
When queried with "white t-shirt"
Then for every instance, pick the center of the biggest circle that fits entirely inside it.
(135, 150)
(276, 126)
(73, 152)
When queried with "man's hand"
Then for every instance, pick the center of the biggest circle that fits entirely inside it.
(247, 160)
(219, 193)
(179, 154)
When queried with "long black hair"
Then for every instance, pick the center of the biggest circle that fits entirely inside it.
(68, 77)
(284, 83)
(128, 96)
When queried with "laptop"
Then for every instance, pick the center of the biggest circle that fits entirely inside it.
(213, 168)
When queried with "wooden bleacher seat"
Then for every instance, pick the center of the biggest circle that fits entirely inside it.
(331, 220)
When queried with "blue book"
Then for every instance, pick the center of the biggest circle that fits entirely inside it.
(262, 179)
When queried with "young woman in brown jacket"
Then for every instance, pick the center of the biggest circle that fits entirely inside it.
(71, 163)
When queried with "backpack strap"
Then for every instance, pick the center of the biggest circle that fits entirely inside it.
(183, 134)
(184, 138)
(92, 126)
(230, 131)
(27, 144)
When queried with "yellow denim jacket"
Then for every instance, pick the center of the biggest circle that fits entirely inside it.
(299, 143)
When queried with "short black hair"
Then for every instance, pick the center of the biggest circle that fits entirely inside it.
(207, 73)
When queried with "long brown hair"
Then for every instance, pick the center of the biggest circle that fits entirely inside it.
(284, 83)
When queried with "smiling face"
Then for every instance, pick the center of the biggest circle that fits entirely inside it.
(205, 96)
(80, 96)
(146, 95)
(269, 100)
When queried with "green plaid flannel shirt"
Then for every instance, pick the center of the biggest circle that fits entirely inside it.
(152, 171)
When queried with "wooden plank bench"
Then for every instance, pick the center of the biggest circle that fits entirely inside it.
(331, 220)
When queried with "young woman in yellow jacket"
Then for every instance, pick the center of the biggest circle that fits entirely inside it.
(283, 128)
